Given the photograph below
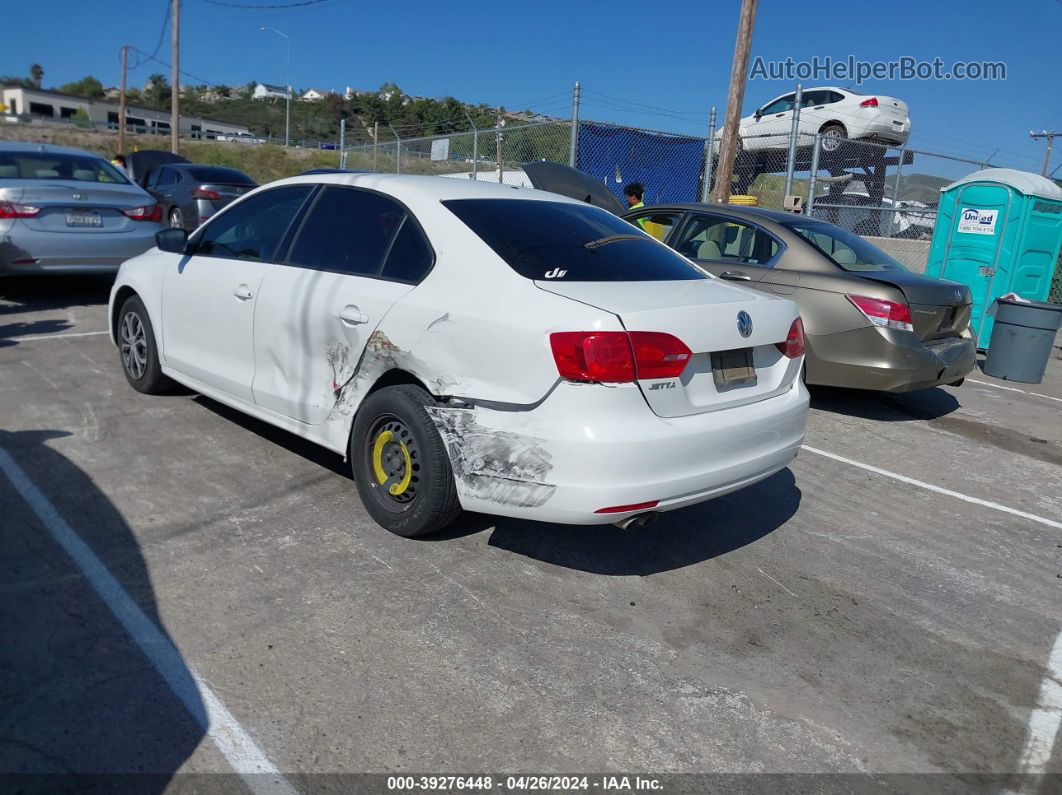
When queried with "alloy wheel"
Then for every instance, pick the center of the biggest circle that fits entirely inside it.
(134, 345)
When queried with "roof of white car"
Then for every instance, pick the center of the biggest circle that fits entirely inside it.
(1023, 181)
(429, 188)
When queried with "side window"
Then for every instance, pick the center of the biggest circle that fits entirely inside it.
(811, 99)
(834, 97)
(253, 228)
(348, 231)
(410, 257)
(780, 105)
(658, 224)
(719, 239)
(166, 177)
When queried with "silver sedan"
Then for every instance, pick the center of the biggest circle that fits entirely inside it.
(69, 211)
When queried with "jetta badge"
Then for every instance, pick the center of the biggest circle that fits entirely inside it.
(744, 323)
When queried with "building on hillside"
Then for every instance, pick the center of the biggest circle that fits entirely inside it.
(111, 92)
(267, 91)
(40, 105)
(315, 94)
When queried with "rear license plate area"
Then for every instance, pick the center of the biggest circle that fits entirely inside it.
(84, 219)
(733, 368)
(948, 321)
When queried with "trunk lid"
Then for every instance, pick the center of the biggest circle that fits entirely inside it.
(703, 313)
(939, 308)
(565, 180)
(892, 108)
(80, 207)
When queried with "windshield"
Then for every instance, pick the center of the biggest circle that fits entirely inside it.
(570, 242)
(849, 251)
(45, 165)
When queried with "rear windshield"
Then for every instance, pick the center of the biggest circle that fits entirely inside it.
(570, 242)
(849, 251)
(44, 165)
(224, 176)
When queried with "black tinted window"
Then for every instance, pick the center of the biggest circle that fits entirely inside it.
(570, 242)
(167, 176)
(348, 231)
(410, 258)
(224, 176)
(719, 239)
(253, 228)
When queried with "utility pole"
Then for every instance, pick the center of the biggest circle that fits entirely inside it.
(121, 101)
(1050, 136)
(573, 146)
(734, 99)
(375, 144)
(175, 80)
(287, 92)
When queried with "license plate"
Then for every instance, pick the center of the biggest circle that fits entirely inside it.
(733, 368)
(83, 219)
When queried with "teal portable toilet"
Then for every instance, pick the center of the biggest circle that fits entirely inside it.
(998, 231)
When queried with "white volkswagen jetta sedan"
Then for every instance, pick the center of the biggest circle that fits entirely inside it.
(468, 345)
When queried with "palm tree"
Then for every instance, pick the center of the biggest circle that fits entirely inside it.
(36, 74)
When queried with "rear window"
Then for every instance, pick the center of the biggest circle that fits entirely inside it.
(848, 251)
(225, 176)
(44, 165)
(569, 242)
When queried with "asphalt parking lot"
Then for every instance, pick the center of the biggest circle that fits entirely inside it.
(841, 617)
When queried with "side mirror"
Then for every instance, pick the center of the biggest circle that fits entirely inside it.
(758, 114)
(174, 241)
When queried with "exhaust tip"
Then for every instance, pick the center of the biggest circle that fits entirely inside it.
(638, 520)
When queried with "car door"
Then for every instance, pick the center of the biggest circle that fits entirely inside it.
(356, 253)
(814, 112)
(209, 294)
(728, 247)
(771, 129)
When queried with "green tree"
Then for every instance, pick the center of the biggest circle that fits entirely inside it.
(87, 86)
(36, 74)
(157, 91)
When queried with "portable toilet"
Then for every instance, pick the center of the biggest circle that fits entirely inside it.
(998, 231)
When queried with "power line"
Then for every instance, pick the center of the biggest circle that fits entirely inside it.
(162, 33)
(270, 7)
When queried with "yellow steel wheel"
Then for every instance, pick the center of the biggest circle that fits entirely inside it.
(393, 457)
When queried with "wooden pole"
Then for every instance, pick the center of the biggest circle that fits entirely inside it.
(121, 102)
(735, 97)
(175, 80)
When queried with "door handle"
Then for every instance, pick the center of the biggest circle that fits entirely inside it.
(243, 292)
(818, 107)
(779, 115)
(735, 276)
(351, 315)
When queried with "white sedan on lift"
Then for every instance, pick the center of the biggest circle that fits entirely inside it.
(836, 113)
(476, 346)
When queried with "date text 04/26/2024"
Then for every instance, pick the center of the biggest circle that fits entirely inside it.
(523, 783)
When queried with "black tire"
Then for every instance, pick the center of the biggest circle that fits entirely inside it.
(137, 351)
(417, 495)
(833, 137)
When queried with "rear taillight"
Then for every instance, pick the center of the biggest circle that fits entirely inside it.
(869, 103)
(638, 506)
(794, 341)
(618, 356)
(206, 193)
(149, 212)
(13, 210)
(888, 314)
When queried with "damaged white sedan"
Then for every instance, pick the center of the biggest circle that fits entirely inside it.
(469, 345)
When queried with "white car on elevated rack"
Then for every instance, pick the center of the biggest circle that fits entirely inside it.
(836, 113)
(499, 349)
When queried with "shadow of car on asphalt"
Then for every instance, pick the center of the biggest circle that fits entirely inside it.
(922, 404)
(30, 293)
(79, 695)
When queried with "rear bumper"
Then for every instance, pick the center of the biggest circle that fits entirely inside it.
(589, 447)
(884, 130)
(887, 360)
(26, 251)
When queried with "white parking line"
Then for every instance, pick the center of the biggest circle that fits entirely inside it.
(238, 747)
(1013, 389)
(939, 490)
(1045, 719)
(32, 337)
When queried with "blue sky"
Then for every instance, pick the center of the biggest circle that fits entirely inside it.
(674, 57)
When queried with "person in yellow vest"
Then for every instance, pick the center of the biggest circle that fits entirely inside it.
(634, 192)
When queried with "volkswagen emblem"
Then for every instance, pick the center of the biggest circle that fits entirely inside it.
(77, 196)
(744, 323)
